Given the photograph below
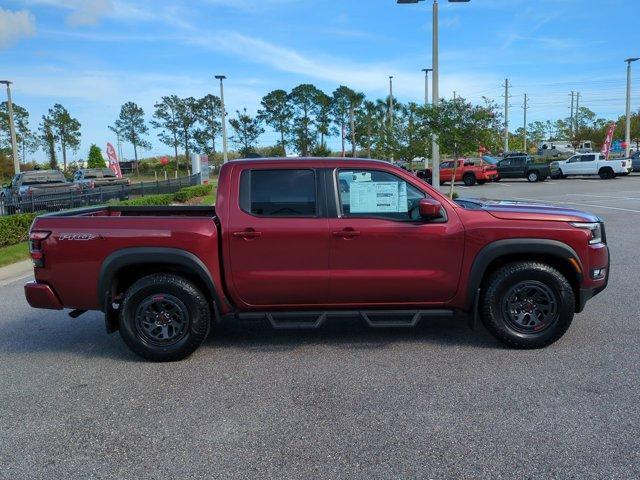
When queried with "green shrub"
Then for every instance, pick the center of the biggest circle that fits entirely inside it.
(149, 200)
(15, 228)
(188, 193)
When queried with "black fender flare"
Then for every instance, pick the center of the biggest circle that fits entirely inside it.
(152, 255)
(502, 248)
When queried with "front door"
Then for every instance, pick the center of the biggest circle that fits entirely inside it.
(382, 252)
(278, 239)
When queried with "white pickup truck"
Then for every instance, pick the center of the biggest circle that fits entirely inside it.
(590, 164)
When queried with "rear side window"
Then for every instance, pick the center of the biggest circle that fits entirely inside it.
(279, 193)
(588, 158)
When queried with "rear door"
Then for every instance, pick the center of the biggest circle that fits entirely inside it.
(587, 165)
(382, 251)
(278, 238)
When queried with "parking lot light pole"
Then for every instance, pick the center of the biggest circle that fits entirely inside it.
(435, 148)
(627, 128)
(225, 157)
(12, 127)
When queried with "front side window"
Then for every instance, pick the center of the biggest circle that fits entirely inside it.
(373, 193)
(279, 193)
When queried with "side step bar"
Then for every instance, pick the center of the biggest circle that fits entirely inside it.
(315, 319)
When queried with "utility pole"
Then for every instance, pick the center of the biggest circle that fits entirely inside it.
(577, 113)
(506, 115)
(225, 157)
(12, 128)
(627, 128)
(525, 107)
(454, 95)
(435, 95)
(426, 84)
(571, 122)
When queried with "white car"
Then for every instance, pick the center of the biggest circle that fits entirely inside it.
(590, 164)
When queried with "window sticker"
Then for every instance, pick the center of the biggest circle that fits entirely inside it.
(375, 197)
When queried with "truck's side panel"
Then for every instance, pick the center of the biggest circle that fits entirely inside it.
(78, 246)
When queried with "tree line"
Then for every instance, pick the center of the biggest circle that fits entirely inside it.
(304, 119)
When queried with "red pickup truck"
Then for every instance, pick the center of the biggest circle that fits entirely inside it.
(468, 172)
(295, 242)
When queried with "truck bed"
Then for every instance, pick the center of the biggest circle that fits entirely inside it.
(81, 240)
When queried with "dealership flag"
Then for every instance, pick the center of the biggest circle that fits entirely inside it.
(606, 146)
(113, 160)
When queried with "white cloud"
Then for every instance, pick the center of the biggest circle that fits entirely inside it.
(89, 12)
(372, 77)
(15, 25)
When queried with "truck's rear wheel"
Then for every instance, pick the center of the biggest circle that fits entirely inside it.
(527, 304)
(469, 179)
(533, 176)
(606, 173)
(164, 318)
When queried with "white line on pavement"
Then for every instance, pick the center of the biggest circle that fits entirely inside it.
(603, 196)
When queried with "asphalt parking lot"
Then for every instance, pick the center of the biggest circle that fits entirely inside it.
(438, 401)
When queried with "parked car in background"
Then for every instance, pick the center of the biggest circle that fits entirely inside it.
(523, 167)
(468, 172)
(590, 164)
(490, 159)
(556, 148)
(37, 183)
(98, 177)
(293, 242)
(635, 161)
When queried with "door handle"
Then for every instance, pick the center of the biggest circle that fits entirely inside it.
(248, 233)
(346, 233)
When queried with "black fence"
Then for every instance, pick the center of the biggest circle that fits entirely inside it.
(92, 196)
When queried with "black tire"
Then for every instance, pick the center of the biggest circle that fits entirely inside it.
(533, 176)
(469, 179)
(497, 179)
(606, 173)
(500, 297)
(183, 310)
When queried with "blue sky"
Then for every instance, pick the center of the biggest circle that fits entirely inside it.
(93, 55)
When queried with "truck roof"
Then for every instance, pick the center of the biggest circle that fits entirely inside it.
(314, 160)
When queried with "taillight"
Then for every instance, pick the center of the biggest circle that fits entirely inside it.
(35, 246)
(29, 191)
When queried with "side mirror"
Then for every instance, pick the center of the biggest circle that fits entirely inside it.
(429, 208)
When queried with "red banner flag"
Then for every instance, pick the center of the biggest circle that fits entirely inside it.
(113, 160)
(606, 146)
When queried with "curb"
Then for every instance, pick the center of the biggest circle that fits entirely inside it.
(15, 271)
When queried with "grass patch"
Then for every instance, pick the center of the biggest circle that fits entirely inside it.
(208, 200)
(14, 253)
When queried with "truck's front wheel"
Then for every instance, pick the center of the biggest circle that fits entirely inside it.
(527, 304)
(164, 318)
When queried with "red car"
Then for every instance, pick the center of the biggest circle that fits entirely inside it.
(297, 241)
(468, 172)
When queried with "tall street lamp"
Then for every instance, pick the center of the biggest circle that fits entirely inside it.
(12, 128)
(426, 84)
(627, 128)
(225, 157)
(435, 149)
